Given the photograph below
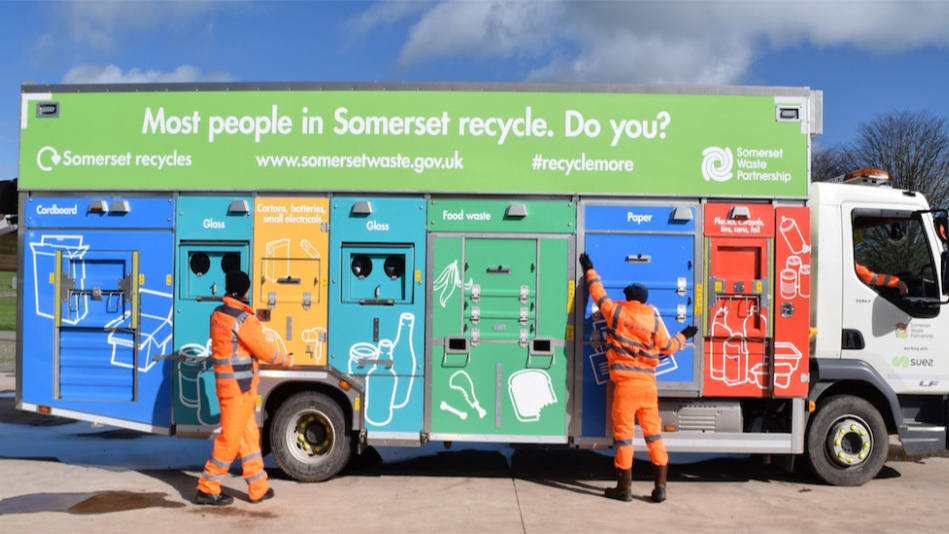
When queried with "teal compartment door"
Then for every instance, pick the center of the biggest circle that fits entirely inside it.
(495, 376)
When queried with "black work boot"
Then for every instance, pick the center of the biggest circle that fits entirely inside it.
(264, 497)
(624, 479)
(660, 472)
(214, 499)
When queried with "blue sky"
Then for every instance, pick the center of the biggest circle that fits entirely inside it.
(868, 57)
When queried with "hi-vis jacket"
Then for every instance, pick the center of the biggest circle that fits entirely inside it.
(874, 279)
(237, 342)
(636, 336)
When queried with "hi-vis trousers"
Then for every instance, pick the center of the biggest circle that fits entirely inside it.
(634, 398)
(239, 436)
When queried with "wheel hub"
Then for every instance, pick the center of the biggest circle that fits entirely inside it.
(850, 441)
(313, 436)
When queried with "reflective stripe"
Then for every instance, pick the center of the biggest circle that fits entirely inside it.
(599, 303)
(258, 476)
(237, 376)
(212, 478)
(653, 438)
(238, 360)
(623, 442)
(886, 280)
(252, 456)
(219, 463)
(623, 351)
(591, 281)
(623, 367)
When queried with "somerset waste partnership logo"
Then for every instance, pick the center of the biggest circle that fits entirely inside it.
(717, 164)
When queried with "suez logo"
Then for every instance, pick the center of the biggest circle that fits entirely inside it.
(905, 362)
(718, 164)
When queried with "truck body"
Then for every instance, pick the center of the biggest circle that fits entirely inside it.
(415, 247)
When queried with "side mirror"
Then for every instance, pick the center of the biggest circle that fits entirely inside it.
(941, 221)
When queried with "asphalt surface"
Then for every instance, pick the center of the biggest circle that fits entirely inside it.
(63, 476)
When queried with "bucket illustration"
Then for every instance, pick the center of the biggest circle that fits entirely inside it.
(786, 361)
(44, 264)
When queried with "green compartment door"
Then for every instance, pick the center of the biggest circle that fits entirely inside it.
(500, 311)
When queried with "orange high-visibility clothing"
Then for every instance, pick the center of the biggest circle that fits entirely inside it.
(636, 340)
(874, 279)
(237, 341)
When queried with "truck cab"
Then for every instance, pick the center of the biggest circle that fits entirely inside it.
(877, 309)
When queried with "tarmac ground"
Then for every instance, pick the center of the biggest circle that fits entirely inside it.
(65, 476)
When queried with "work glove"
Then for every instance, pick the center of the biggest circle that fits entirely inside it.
(689, 331)
(585, 262)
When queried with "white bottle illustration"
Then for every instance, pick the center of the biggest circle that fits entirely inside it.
(403, 359)
(381, 385)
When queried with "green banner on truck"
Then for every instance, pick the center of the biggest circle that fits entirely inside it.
(426, 138)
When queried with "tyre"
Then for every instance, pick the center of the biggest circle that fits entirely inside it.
(847, 442)
(309, 437)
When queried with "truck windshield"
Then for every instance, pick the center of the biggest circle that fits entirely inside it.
(892, 255)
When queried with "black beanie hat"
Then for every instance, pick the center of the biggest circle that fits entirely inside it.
(236, 283)
(636, 292)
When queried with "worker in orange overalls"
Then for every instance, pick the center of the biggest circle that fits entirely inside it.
(237, 342)
(636, 341)
(883, 280)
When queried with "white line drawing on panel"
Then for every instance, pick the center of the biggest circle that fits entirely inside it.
(155, 336)
(796, 275)
(792, 236)
(44, 263)
(461, 381)
(277, 259)
(197, 361)
(448, 280)
(312, 335)
(309, 249)
(786, 360)
(445, 407)
(530, 391)
(272, 336)
(393, 368)
(735, 349)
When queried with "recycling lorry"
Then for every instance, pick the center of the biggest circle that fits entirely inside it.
(415, 247)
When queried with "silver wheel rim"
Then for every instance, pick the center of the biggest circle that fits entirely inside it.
(310, 437)
(849, 441)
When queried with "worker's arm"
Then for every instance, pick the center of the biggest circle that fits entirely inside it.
(251, 334)
(598, 294)
(882, 280)
(667, 345)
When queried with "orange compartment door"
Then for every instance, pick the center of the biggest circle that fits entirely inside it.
(291, 247)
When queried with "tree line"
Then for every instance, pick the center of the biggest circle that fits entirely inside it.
(912, 146)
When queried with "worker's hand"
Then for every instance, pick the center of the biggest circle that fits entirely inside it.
(585, 262)
(901, 285)
(689, 331)
(289, 359)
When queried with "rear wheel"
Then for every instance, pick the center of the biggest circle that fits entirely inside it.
(847, 442)
(309, 437)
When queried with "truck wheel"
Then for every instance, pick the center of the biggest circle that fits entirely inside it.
(847, 442)
(309, 437)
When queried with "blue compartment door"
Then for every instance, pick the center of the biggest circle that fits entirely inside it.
(97, 313)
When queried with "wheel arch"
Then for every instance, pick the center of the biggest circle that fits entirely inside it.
(858, 379)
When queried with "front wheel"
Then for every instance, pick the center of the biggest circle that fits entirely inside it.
(309, 437)
(847, 442)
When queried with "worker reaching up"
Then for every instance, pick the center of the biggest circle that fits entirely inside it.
(636, 341)
(237, 343)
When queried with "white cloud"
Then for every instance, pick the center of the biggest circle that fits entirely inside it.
(689, 41)
(111, 74)
(102, 24)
